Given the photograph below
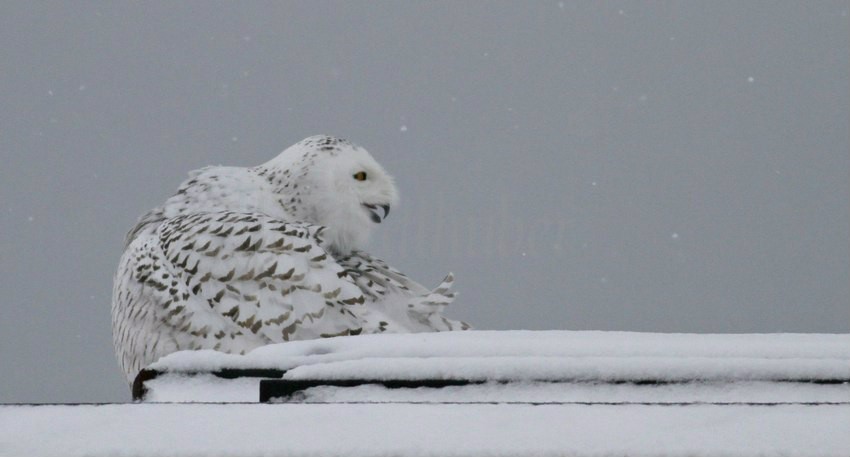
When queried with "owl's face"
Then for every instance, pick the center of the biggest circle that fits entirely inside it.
(331, 182)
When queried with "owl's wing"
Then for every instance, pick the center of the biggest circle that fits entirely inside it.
(233, 281)
(382, 283)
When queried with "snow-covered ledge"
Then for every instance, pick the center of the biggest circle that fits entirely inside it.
(614, 394)
(526, 366)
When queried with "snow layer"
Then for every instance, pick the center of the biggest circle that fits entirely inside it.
(578, 368)
(714, 368)
(377, 422)
(423, 430)
(530, 355)
(203, 388)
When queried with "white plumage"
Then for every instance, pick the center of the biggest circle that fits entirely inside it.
(244, 257)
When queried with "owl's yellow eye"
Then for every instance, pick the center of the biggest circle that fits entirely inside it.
(360, 176)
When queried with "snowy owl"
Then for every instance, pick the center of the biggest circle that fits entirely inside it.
(243, 257)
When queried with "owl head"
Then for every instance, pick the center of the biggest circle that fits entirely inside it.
(334, 183)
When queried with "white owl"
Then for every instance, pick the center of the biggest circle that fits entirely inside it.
(244, 257)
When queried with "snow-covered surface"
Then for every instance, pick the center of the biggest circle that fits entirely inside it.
(202, 388)
(578, 368)
(730, 396)
(526, 356)
(826, 354)
(714, 368)
(424, 430)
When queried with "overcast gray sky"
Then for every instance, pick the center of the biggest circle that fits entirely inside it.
(647, 166)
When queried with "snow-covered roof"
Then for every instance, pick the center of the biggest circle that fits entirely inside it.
(424, 430)
(821, 352)
(725, 366)
(533, 393)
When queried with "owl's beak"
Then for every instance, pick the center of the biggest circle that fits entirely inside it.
(373, 212)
